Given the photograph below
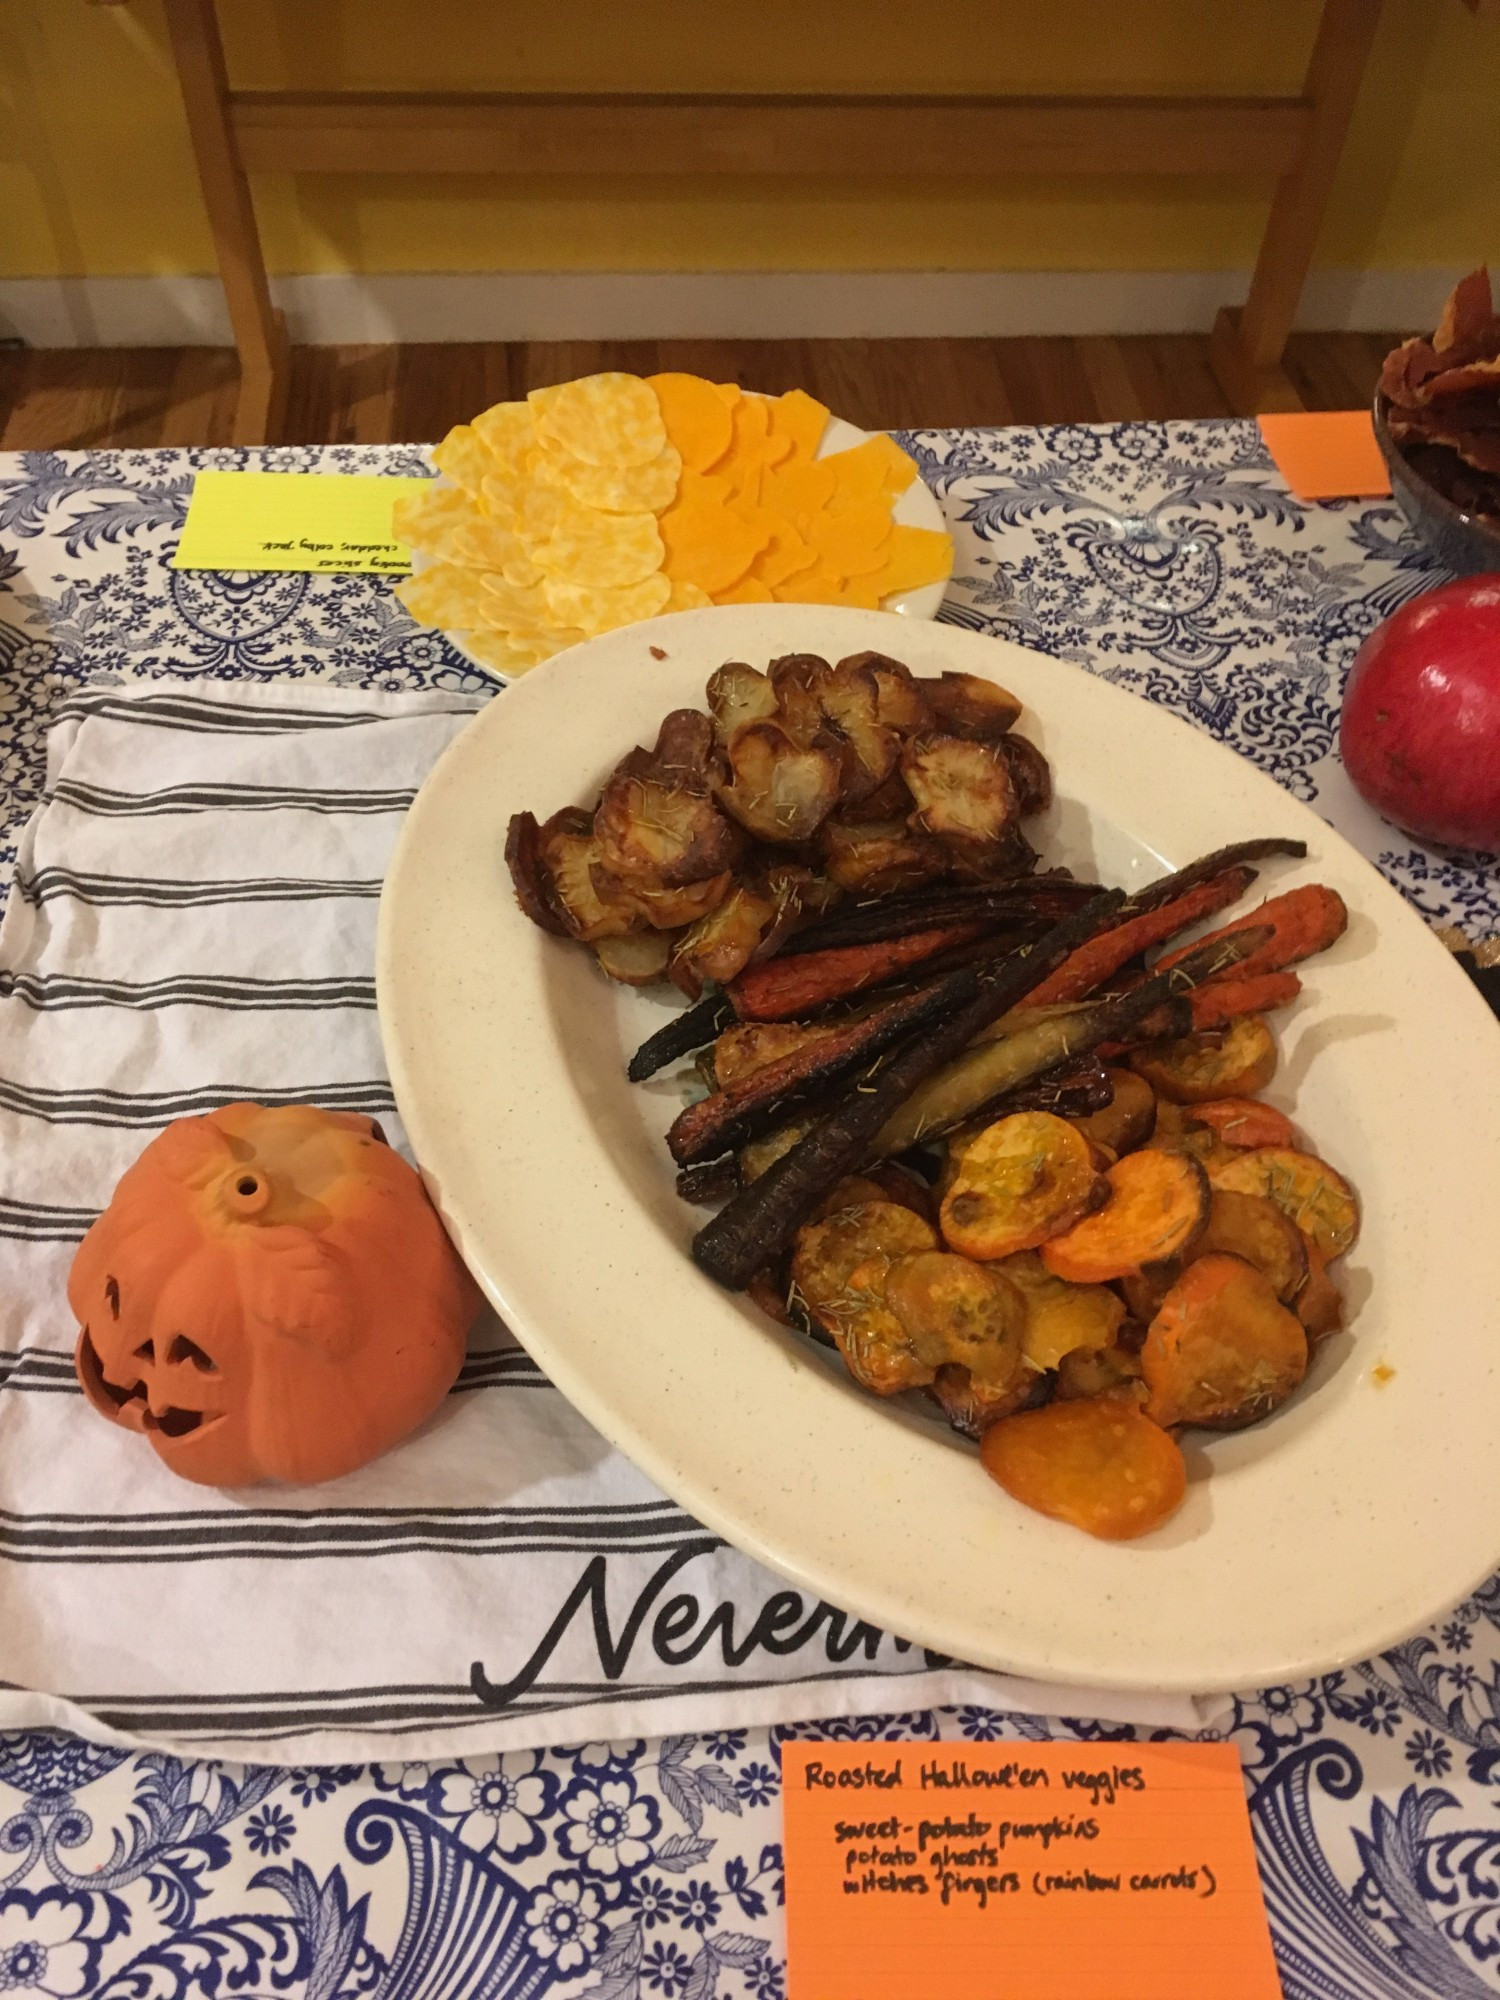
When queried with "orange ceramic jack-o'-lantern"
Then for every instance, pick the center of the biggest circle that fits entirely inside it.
(269, 1295)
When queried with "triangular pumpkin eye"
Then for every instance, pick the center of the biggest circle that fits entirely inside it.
(183, 1349)
(146, 1351)
(112, 1296)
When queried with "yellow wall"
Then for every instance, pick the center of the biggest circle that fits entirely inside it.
(96, 177)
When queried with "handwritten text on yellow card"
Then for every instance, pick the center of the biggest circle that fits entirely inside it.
(294, 520)
(1022, 1871)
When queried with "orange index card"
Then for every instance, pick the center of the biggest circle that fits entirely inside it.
(1022, 1871)
(1326, 454)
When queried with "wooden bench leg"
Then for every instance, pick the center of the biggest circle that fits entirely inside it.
(1248, 345)
(259, 330)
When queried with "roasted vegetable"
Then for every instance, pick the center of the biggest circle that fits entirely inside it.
(1319, 1304)
(901, 699)
(850, 704)
(1303, 922)
(661, 833)
(637, 960)
(692, 1029)
(1167, 888)
(787, 989)
(1128, 1120)
(1253, 1229)
(1101, 1466)
(1060, 1317)
(990, 1069)
(963, 791)
(961, 1315)
(1196, 1068)
(703, 1186)
(1030, 775)
(1100, 1371)
(1243, 1122)
(571, 857)
(965, 705)
(1305, 1189)
(720, 944)
(762, 1154)
(779, 790)
(970, 1407)
(886, 1182)
(996, 905)
(1157, 1207)
(1224, 1001)
(759, 1222)
(878, 857)
(1223, 1351)
(528, 877)
(1179, 1130)
(1103, 956)
(738, 694)
(669, 909)
(840, 1268)
(749, 1046)
(1022, 1180)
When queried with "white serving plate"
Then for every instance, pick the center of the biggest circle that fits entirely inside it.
(917, 507)
(1357, 1513)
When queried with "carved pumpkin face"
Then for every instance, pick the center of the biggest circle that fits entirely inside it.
(269, 1295)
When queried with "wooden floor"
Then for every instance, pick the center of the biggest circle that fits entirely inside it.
(374, 395)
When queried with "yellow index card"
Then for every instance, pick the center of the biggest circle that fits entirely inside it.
(294, 520)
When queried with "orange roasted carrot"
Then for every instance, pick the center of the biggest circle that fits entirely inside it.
(1303, 921)
(1224, 1000)
(785, 989)
(1103, 956)
(1243, 1122)
(1098, 1465)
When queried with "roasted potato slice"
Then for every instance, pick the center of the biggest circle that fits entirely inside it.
(1223, 1351)
(970, 1406)
(962, 791)
(662, 834)
(1023, 1179)
(637, 960)
(968, 706)
(870, 749)
(900, 698)
(1128, 1120)
(721, 944)
(1100, 1371)
(670, 909)
(750, 1045)
(1244, 1122)
(1235, 1061)
(570, 857)
(523, 857)
(879, 857)
(840, 1269)
(1099, 1465)
(1253, 1229)
(1156, 1208)
(684, 750)
(1060, 1318)
(1030, 775)
(738, 694)
(799, 680)
(1320, 1304)
(1306, 1190)
(780, 792)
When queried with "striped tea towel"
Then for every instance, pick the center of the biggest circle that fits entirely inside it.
(192, 922)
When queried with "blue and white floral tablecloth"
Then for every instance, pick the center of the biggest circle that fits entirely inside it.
(1169, 558)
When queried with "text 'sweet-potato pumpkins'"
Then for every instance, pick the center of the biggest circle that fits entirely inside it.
(269, 1296)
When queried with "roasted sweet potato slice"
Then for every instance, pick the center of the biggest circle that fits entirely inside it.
(1233, 1062)
(1101, 1466)
(1128, 1120)
(1319, 1304)
(780, 791)
(1178, 1129)
(1306, 1190)
(738, 694)
(637, 960)
(1253, 1229)
(1156, 1208)
(959, 1312)
(1023, 1179)
(1060, 1317)
(840, 1267)
(1100, 1371)
(970, 1406)
(887, 1182)
(1223, 1351)
(880, 857)
(1244, 1122)
(963, 791)
(965, 705)
(1144, 1290)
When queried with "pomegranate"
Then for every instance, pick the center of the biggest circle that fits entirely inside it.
(1420, 731)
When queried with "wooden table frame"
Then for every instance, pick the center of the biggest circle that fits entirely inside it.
(1294, 140)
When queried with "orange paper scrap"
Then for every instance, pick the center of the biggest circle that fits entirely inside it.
(1022, 1871)
(1326, 454)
